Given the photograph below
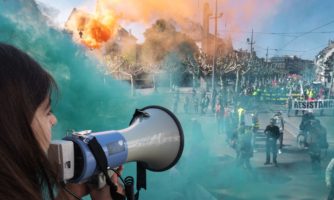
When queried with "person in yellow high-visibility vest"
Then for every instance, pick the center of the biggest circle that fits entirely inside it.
(241, 115)
(310, 94)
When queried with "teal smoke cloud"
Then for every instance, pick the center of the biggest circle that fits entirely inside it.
(90, 100)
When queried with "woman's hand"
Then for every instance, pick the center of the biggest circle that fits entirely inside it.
(104, 193)
(115, 180)
(83, 189)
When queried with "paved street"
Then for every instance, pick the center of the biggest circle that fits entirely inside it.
(292, 179)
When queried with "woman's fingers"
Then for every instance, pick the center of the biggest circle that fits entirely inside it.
(114, 178)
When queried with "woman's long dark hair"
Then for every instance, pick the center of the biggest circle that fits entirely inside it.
(25, 172)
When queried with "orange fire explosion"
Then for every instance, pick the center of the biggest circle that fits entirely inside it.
(96, 32)
(93, 30)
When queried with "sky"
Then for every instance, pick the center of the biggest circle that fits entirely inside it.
(286, 27)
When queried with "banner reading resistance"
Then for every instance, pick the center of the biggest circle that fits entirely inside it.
(314, 105)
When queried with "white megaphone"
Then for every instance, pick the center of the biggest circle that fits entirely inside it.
(154, 138)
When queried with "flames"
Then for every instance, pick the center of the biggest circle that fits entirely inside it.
(93, 30)
(97, 31)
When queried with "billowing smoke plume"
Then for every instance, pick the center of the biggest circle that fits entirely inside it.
(93, 29)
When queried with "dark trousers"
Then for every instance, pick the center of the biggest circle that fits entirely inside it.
(243, 161)
(314, 152)
(271, 147)
(281, 140)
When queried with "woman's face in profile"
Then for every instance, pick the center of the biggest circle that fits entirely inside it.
(42, 123)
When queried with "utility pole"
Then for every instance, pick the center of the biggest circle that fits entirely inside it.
(251, 43)
(213, 86)
(267, 55)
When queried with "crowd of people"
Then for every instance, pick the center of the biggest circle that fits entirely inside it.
(231, 113)
(282, 91)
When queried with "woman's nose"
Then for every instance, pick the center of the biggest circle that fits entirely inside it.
(53, 120)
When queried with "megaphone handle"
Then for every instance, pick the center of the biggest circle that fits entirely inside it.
(102, 163)
(141, 178)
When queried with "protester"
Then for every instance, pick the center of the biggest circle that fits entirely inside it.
(219, 114)
(289, 105)
(272, 134)
(255, 129)
(305, 124)
(241, 114)
(203, 103)
(279, 121)
(244, 146)
(316, 140)
(26, 121)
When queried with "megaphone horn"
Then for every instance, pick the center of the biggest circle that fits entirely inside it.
(155, 137)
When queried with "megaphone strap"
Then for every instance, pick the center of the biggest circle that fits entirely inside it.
(102, 163)
(141, 175)
(141, 178)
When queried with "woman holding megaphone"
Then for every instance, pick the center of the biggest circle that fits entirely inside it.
(26, 121)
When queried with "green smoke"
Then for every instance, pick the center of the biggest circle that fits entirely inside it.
(90, 100)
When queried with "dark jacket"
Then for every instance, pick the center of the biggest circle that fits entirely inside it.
(272, 131)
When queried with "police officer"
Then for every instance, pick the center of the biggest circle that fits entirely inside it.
(272, 134)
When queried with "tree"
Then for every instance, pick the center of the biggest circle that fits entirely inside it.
(199, 66)
(242, 66)
(165, 48)
(193, 68)
(119, 66)
(225, 64)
